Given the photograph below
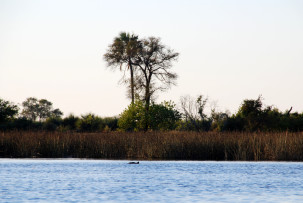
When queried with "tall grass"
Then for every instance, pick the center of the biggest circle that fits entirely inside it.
(282, 146)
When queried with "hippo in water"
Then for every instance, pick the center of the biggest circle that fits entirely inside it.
(133, 162)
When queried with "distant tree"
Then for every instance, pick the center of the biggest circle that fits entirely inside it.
(30, 108)
(121, 53)
(42, 109)
(56, 113)
(8, 110)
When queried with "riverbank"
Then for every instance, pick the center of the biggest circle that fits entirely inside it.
(283, 146)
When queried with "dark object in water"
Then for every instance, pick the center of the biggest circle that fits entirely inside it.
(132, 162)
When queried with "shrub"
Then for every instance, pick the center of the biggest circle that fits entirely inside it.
(52, 124)
(69, 123)
(133, 117)
(162, 116)
(90, 123)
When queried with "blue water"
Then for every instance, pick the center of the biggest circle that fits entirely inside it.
(150, 181)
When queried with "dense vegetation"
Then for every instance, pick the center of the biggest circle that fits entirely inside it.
(171, 145)
(252, 116)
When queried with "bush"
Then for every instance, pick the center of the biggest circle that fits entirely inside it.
(132, 118)
(162, 116)
(90, 123)
(70, 122)
(52, 124)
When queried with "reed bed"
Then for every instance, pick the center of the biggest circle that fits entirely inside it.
(283, 146)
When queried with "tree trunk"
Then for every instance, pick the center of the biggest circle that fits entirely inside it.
(147, 102)
(132, 82)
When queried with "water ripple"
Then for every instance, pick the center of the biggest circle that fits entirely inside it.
(149, 181)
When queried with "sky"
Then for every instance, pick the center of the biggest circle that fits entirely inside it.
(229, 51)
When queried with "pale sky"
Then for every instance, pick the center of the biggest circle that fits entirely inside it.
(229, 50)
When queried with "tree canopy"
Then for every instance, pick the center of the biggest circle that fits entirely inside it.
(121, 54)
(8, 110)
(42, 109)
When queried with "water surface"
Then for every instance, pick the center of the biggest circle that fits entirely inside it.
(34, 180)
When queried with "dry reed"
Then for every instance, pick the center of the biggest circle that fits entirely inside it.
(261, 146)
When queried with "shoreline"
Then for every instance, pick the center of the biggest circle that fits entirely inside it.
(140, 160)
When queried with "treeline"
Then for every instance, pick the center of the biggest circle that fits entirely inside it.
(40, 115)
(251, 116)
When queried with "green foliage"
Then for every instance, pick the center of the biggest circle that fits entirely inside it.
(133, 117)
(252, 116)
(8, 111)
(121, 53)
(252, 113)
(162, 116)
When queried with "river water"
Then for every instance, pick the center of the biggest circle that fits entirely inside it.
(70, 180)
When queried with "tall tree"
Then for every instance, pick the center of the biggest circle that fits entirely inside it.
(155, 62)
(121, 53)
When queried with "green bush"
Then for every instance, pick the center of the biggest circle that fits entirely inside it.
(162, 116)
(133, 117)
